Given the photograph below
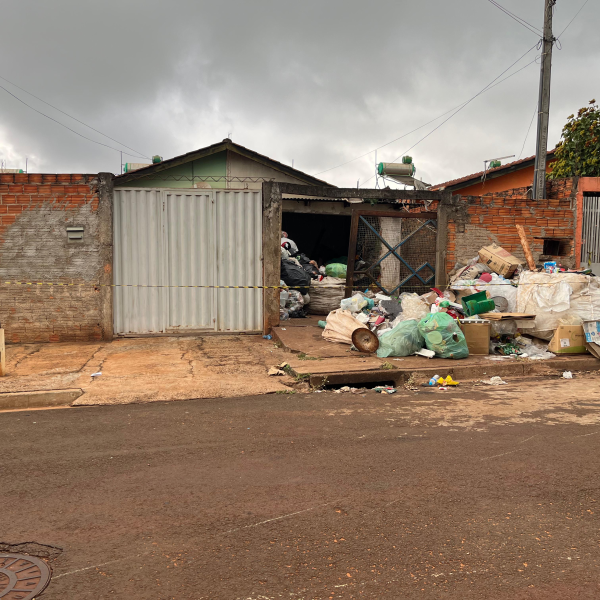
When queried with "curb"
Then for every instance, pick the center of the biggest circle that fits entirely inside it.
(458, 372)
(38, 399)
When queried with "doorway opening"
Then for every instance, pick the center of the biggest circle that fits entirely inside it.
(323, 238)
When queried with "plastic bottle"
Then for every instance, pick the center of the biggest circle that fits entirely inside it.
(433, 381)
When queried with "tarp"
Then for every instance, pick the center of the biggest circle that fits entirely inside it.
(556, 297)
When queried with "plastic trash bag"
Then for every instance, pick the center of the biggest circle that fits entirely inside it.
(336, 270)
(354, 304)
(413, 307)
(294, 275)
(403, 340)
(443, 335)
(500, 287)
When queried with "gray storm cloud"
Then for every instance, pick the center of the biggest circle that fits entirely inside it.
(317, 82)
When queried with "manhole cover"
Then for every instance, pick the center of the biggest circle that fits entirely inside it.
(22, 577)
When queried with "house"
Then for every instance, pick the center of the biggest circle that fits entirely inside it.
(85, 257)
(225, 165)
(513, 175)
(184, 230)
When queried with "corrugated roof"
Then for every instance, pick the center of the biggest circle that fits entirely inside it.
(226, 144)
(477, 176)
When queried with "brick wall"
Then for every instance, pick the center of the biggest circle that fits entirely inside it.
(555, 188)
(492, 218)
(35, 211)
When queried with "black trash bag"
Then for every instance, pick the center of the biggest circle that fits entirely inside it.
(294, 276)
(305, 262)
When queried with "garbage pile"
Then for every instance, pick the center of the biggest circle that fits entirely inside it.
(314, 289)
(402, 326)
(492, 306)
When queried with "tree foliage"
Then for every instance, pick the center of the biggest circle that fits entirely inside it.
(578, 152)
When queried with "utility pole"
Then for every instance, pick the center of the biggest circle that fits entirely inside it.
(539, 176)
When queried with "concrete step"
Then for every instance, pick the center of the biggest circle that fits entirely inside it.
(38, 398)
(399, 375)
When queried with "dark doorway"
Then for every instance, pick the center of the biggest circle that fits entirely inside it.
(322, 238)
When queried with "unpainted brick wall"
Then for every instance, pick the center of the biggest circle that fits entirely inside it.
(35, 211)
(492, 218)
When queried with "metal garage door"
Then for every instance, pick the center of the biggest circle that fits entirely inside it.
(168, 240)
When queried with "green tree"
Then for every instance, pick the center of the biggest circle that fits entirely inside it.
(578, 152)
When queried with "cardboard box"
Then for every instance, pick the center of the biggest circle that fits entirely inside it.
(592, 337)
(499, 260)
(478, 337)
(568, 339)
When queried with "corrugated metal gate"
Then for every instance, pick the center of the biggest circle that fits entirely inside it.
(590, 234)
(171, 239)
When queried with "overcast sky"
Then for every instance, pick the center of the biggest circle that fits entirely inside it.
(320, 82)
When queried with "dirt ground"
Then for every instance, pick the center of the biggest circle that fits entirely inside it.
(476, 493)
(148, 369)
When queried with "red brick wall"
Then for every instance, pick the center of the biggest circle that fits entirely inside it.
(492, 218)
(35, 210)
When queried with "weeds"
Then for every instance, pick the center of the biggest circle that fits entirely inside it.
(387, 366)
(316, 388)
(286, 392)
(411, 383)
(303, 356)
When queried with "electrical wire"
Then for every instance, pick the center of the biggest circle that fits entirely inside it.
(576, 15)
(528, 130)
(421, 126)
(387, 143)
(523, 22)
(467, 103)
(67, 127)
(74, 118)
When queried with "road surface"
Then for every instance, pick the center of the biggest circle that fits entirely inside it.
(479, 492)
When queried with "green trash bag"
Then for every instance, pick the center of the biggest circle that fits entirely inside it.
(403, 340)
(443, 335)
(336, 270)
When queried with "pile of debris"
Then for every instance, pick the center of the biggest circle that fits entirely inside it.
(491, 306)
(312, 288)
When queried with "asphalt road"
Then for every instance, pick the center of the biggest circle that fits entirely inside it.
(319, 496)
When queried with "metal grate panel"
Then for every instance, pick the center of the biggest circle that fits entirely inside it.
(396, 254)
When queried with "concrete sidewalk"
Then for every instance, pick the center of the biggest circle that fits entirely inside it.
(147, 369)
(336, 364)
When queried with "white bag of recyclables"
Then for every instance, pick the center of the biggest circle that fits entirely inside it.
(326, 295)
(413, 307)
(341, 324)
(355, 303)
(554, 297)
(500, 287)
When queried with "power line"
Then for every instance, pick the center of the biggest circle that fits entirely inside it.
(523, 22)
(387, 143)
(421, 126)
(576, 15)
(466, 104)
(72, 117)
(67, 127)
(528, 130)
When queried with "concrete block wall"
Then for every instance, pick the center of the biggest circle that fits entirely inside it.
(478, 221)
(35, 211)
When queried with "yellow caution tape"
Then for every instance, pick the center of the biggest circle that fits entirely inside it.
(257, 287)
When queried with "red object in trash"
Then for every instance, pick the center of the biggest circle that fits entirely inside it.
(379, 321)
(438, 292)
(487, 277)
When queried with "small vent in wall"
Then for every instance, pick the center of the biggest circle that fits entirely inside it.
(75, 234)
